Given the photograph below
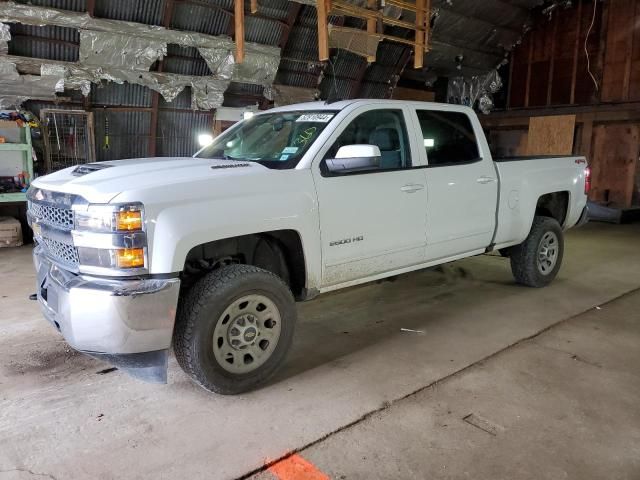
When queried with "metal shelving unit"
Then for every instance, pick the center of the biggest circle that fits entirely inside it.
(24, 147)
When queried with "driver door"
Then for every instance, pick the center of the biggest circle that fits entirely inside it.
(372, 221)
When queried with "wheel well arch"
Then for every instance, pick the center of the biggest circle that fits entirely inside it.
(554, 205)
(279, 251)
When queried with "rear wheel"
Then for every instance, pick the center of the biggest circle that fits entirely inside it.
(234, 328)
(536, 261)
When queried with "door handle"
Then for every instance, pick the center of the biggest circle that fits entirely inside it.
(414, 187)
(484, 180)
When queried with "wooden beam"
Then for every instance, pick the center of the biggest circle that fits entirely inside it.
(602, 50)
(586, 140)
(371, 26)
(418, 57)
(323, 32)
(510, 84)
(527, 89)
(626, 84)
(552, 60)
(238, 17)
(576, 50)
(254, 6)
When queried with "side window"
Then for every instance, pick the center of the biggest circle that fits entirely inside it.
(448, 137)
(384, 128)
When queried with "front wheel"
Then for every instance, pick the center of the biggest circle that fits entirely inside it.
(234, 328)
(536, 261)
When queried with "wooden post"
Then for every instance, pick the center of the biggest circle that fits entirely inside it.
(418, 56)
(626, 83)
(323, 33)
(529, 61)
(254, 6)
(576, 51)
(371, 26)
(553, 57)
(587, 132)
(239, 29)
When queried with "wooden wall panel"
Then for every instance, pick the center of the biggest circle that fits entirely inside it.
(551, 135)
(617, 61)
(613, 163)
(634, 79)
(508, 142)
(558, 63)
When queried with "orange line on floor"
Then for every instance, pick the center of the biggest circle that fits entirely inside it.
(296, 468)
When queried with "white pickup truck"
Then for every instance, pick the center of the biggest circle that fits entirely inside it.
(209, 253)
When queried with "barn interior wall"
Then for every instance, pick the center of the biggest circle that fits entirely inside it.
(549, 75)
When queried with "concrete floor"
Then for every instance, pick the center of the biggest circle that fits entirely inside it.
(550, 415)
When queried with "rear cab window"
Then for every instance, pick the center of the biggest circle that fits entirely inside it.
(448, 138)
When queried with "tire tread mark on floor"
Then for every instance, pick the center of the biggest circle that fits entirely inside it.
(433, 384)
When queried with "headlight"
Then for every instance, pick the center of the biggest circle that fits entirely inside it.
(110, 218)
(111, 239)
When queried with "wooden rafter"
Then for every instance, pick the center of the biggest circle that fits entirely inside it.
(374, 18)
(238, 18)
(323, 30)
(372, 26)
(418, 57)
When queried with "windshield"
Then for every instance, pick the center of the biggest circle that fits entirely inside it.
(275, 140)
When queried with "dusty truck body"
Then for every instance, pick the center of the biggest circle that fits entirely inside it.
(209, 253)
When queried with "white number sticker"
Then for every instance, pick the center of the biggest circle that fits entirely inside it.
(315, 117)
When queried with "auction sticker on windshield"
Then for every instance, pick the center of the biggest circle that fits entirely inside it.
(315, 117)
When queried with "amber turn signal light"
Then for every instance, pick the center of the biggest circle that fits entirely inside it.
(130, 258)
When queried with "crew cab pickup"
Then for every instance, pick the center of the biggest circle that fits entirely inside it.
(209, 253)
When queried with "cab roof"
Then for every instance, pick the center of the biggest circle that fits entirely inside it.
(342, 104)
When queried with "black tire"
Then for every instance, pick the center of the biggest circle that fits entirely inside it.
(524, 257)
(200, 311)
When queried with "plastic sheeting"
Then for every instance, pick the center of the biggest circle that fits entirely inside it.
(206, 92)
(477, 89)
(5, 36)
(122, 51)
(260, 62)
(16, 89)
(288, 95)
(354, 40)
(260, 65)
(220, 61)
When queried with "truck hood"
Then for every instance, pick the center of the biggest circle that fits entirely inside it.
(101, 182)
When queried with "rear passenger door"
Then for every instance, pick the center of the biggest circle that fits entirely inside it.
(462, 186)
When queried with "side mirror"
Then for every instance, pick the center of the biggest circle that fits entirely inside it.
(353, 158)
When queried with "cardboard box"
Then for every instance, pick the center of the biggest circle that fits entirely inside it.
(10, 232)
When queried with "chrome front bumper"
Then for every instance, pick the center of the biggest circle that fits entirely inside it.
(126, 322)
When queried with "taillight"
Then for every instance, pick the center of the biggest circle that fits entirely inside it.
(587, 180)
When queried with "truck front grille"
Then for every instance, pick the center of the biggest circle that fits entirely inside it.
(62, 252)
(56, 217)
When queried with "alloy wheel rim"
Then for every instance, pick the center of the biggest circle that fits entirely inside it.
(246, 333)
(548, 253)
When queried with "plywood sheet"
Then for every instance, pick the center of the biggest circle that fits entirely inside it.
(614, 161)
(551, 135)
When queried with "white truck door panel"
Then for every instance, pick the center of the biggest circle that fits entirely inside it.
(462, 186)
(374, 221)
